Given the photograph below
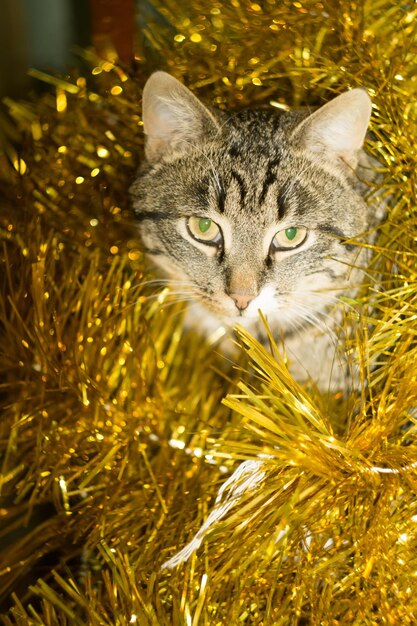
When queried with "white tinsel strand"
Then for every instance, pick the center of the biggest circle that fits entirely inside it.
(244, 479)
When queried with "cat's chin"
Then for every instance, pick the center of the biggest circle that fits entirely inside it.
(207, 321)
(216, 327)
(248, 322)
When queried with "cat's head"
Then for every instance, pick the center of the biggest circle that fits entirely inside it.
(253, 209)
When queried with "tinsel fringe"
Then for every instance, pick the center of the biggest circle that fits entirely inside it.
(119, 430)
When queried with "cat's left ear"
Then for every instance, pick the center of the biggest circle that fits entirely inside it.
(339, 127)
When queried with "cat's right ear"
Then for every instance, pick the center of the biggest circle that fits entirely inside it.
(173, 118)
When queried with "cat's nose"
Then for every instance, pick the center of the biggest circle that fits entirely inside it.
(242, 300)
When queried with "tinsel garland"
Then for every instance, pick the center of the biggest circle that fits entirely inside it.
(119, 429)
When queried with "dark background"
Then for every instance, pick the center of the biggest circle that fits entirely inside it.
(48, 34)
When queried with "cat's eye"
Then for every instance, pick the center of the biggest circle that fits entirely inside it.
(205, 230)
(289, 238)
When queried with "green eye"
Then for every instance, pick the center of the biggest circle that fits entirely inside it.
(291, 233)
(204, 224)
(289, 238)
(205, 230)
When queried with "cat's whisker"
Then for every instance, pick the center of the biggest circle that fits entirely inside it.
(178, 298)
(357, 268)
(301, 317)
(336, 304)
(316, 320)
(294, 327)
(331, 299)
(164, 282)
(333, 322)
(156, 283)
(192, 304)
(172, 296)
(173, 303)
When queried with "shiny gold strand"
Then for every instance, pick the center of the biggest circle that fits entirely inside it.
(114, 436)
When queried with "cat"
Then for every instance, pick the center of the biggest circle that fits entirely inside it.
(258, 210)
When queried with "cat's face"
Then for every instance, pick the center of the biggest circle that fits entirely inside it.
(251, 211)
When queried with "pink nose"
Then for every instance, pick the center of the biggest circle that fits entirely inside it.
(242, 301)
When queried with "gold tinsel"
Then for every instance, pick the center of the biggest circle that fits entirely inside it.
(118, 429)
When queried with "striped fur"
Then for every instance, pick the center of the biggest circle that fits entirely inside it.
(255, 173)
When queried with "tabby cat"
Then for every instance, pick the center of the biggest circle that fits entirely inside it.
(258, 210)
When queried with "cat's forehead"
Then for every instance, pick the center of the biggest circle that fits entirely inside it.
(248, 138)
(251, 142)
(237, 177)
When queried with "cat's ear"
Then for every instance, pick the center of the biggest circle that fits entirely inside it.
(339, 127)
(173, 118)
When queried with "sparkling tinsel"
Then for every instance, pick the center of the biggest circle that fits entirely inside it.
(119, 429)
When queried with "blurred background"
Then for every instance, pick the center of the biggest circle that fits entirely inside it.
(45, 34)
